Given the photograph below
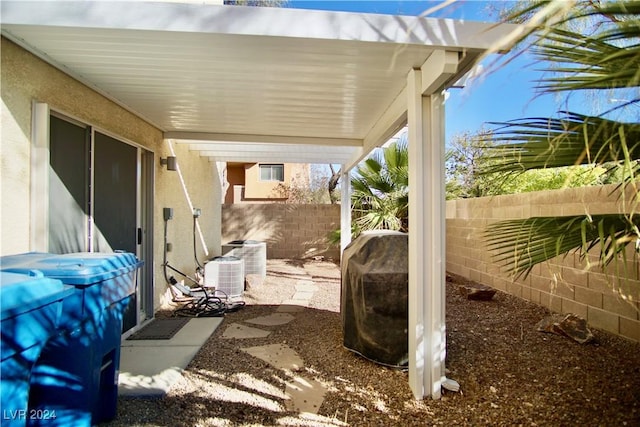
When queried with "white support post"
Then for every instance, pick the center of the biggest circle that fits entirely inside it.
(436, 221)
(345, 209)
(417, 348)
(426, 239)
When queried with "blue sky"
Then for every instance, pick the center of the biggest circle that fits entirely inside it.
(504, 94)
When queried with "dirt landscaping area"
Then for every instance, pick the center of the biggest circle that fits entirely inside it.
(509, 373)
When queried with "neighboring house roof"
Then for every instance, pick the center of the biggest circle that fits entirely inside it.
(281, 84)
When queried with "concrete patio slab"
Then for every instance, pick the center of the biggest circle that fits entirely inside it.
(148, 385)
(280, 356)
(274, 319)
(152, 360)
(150, 367)
(239, 331)
(306, 395)
(195, 332)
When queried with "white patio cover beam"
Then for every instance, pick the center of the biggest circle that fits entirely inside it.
(427, 338)
(194, 137)
(282, 153)
(437, 69)
(275, 157)
(345, 209)
(229, 147)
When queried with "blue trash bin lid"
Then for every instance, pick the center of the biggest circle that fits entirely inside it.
(79, 269)
(20, 293)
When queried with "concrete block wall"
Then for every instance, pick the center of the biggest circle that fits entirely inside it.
(609, 300)
(290, 230)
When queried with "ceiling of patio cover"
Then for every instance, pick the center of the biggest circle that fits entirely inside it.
(243, 83)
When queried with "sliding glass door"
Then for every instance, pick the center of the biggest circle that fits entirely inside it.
(96, 198)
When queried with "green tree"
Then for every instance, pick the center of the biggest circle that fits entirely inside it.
(463, 161)
(602, 57)
(466, 162)
(332, 184)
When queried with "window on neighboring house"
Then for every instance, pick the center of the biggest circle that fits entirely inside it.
(272, 173)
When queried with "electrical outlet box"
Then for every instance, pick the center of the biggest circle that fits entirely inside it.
(197, 212)
(167, 213)
(169, 247)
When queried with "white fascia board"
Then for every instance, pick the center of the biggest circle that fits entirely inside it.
(240, 148)
(191, 137)
(437, 70)
(256, 21)
(274, 157)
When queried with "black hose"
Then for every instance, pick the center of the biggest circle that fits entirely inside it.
(164, 252)
(195, 253)
(181, 273)
(208, 306)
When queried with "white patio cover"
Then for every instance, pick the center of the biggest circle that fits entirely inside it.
(276, 84)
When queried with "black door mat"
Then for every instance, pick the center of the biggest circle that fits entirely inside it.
(160, 329)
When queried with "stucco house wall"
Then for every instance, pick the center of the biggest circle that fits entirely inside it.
(255, 190)
(26, 79)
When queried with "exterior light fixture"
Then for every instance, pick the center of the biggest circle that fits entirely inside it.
(170, 162)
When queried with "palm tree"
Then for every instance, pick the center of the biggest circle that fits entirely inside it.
(606, 59)
(380, 184)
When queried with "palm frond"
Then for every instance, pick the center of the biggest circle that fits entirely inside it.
(589, 62)
(618, 10)
(521, 244)
(535, 143)
(606, 58)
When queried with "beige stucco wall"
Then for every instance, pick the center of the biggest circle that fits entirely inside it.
(290, 230)
(196, 184)
(25, 79)
(565, 284)
(254, 188)
(247, 175)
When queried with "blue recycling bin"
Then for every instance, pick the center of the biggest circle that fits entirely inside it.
(77, 373)
(30, 306)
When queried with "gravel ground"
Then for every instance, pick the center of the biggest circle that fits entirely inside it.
(509, 373)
